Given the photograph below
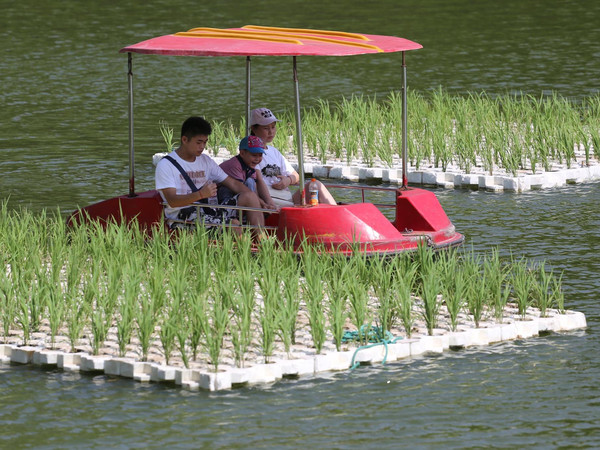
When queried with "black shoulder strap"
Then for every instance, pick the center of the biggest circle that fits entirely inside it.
(186, 177)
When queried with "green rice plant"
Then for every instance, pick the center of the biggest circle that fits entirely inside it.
(372, 124)
(243, 300)
(383, 272)
(324, 129)
(314, 266)
(337, 298)
(29, 288)
(167, 134)
(156, 281)
(81, 291)
(146, 319)
(102, 310)
(311, 127)
(198, 310)
(30, 301)
(430, 289)
(200, 273)
(404, 283)
(454, 296)
(113, 281)
(358, 299)
(350, 128)
(584, 139)
(215, 325)
(179, 280)
(127, 303)
(286, 128)
(152, 298)
(168, 323)
(465, 142)
(453, 285)
(55, 304)
(496, 282)
(476, 287)
(542, 289)
(595, 139)
(23, 319)
(290, 305)
(182, 332)
(8, 303)
(269, 283)
(424, 263)
(522, 281)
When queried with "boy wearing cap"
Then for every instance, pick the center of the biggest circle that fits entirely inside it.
(276, 170)
(187, 175)
(242, 167)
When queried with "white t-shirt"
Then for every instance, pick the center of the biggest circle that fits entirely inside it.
(273, 164)
(201, 171)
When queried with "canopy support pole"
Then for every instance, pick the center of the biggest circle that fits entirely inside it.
(404, 125)
(131, 151)
(299, 132)
(248, 87)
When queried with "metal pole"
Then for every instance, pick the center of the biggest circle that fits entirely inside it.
(248, 83)
(299, 132)
(131, 152)
(404, 125)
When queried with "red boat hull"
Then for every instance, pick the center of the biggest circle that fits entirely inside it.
(340, 229)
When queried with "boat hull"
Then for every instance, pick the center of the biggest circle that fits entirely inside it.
(342, 229)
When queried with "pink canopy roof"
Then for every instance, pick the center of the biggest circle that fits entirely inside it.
(253, 40)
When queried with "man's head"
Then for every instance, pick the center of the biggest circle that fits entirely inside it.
(193, 126)
(251, 150)
(194, 136)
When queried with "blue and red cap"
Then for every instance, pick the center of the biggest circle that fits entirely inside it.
(253, 144)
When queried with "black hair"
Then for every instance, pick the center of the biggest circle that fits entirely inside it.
(193, 126)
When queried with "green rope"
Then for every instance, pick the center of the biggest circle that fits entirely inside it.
(375, 335)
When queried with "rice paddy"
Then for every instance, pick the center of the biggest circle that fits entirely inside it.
(194, 302)
(512, 132)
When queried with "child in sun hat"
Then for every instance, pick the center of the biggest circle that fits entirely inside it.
(276, 170)
(242, 167)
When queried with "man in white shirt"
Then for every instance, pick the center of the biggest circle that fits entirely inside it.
(203, 174)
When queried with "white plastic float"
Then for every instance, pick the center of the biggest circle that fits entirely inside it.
(193, 379)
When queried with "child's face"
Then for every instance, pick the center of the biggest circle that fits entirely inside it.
(266, 132)
(251, 159)
(195, 145)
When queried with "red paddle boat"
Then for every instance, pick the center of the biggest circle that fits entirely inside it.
(419, 217)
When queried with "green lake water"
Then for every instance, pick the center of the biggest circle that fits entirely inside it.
(63, 143)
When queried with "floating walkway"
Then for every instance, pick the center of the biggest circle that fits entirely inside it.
(304, 362)
(453, 177)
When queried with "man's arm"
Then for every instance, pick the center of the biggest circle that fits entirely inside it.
(176, 200)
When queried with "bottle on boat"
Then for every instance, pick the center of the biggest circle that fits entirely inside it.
(313, 192)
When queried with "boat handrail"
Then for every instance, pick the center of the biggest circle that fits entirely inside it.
(366, 188)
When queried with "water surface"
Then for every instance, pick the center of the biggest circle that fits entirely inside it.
(63, 143)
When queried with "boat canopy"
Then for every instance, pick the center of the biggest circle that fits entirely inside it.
(253, 40)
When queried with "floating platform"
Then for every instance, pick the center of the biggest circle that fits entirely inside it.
(304, 363)
(427, 175)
